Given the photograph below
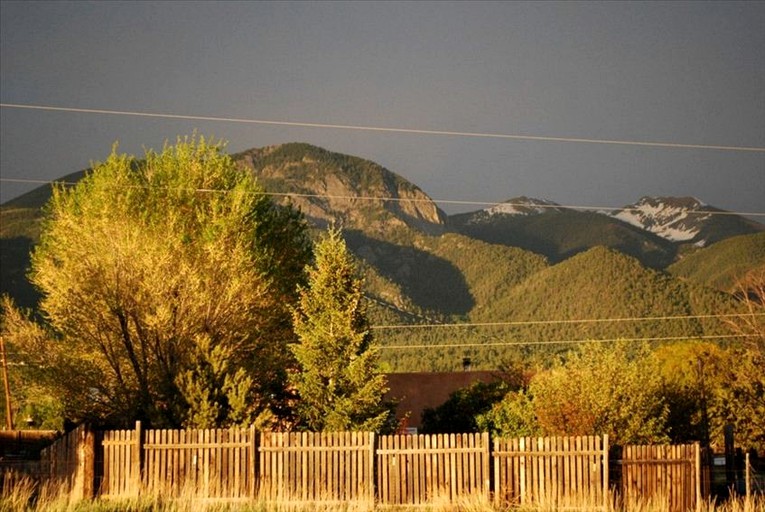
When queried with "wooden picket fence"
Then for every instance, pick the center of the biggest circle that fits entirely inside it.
(552, 471)
(69, 463)
(211, 463)
(415, 470)
(671, 474)
(361, 467)
(316, 467)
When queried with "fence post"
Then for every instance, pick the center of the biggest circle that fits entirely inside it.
(254, 473)
(371, 468)
(605, 472)
(137, 457)
(88, 447)
(486, 470)
(697, 447)
(747, 475)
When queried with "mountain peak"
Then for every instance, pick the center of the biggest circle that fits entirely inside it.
(522, 206)
(330, 187)
(678, 219)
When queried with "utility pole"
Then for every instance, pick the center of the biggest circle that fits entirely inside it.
(8, 409)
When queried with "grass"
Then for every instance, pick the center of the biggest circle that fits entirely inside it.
(27, 496)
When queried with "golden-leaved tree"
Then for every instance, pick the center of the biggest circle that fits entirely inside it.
(741, 402)
(166, 284)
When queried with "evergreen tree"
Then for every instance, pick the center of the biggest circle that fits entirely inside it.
(339, 382)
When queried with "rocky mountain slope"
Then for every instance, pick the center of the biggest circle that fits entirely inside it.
(685, 220)
(351, 191)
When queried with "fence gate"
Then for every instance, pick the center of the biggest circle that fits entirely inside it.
(413, 470)
(669, 475)
(551, 471)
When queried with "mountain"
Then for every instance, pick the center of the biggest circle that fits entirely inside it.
(342, 188)
(686, 220)
(559, 233)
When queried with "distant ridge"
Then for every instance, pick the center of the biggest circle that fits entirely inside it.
(559, 233)
(685, 220)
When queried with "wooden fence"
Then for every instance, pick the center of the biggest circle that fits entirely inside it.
(20, 454)
(242, 464)
(316, 467)
(417, 469)
(668, 474)
(213, 463)
(70, 462)
(551, 471)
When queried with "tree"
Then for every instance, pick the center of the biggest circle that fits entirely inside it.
(459, 413)
(166, 284)
(338, 381)
(513, 416)
(742, 400)
(602, 389)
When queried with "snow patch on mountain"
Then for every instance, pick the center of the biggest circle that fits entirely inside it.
(522, 206)
(675, 219)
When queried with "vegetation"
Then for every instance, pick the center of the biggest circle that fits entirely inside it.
(338, 379)
(723, 264)
(165, 290)
(742, 400)
(29, 498)
(563, 233)
(600, 389)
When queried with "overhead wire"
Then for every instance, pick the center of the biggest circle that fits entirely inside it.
(418, 131)
(414, 199)
(565, 342)
(566, 321)
(440, 201)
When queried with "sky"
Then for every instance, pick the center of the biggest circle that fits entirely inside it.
(675, 72)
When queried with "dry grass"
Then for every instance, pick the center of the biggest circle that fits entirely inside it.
(26, 496)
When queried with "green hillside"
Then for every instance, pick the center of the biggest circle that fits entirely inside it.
(605, 284)
(562, 234)
(721, 264)
(19, 231)
(599, 286)
(37, 197)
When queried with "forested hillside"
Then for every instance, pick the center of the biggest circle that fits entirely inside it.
(562, 233)
(722, 264)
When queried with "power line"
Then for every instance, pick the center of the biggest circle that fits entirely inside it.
(566, 321)
(408, 199)
(301, 124)
(564, 342)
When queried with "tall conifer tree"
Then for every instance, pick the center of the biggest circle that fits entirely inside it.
(339, 381)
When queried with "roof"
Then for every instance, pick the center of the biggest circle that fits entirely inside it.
(418, 391)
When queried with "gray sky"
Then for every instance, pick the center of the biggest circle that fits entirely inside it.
(690, 72)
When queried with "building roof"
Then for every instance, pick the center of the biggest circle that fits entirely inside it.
(418, 391)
